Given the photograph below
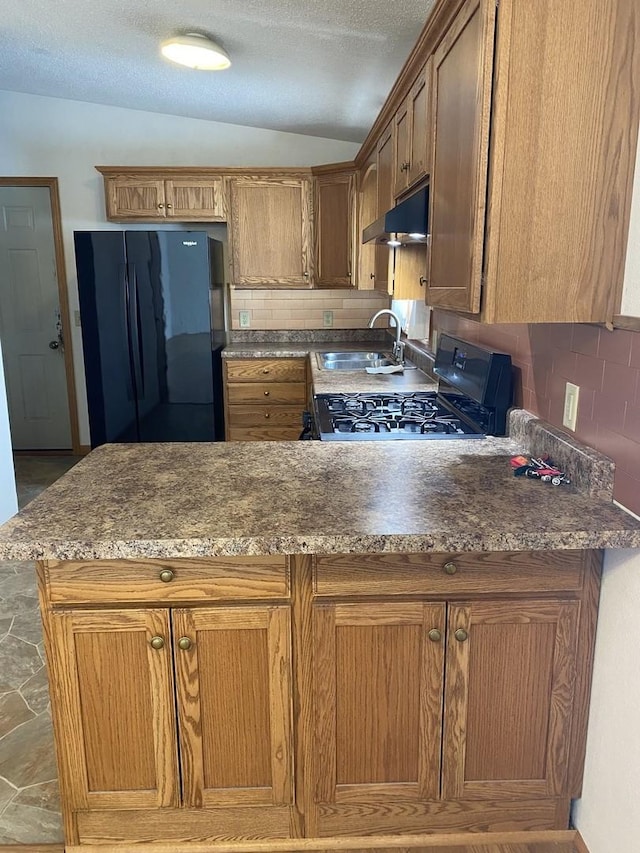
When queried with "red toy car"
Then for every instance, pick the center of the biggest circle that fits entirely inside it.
(538, 469)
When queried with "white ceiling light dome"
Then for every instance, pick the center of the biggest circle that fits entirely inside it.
(195, 51)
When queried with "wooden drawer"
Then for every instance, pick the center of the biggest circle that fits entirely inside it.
(424, 574)
(267, 392)
(261, 433)
(266, 370)
(205, 579)
(265, 416)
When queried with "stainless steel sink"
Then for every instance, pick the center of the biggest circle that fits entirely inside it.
(352, 360)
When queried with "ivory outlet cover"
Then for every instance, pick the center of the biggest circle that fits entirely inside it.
(245, 319)
(327, 319)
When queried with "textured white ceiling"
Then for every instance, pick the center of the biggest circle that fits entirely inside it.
(319, 68)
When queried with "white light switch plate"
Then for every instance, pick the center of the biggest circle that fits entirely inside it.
(570, 414)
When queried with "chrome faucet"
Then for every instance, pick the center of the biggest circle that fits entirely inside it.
(398, 345)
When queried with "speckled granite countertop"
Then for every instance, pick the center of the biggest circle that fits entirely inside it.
(188, 500)
(338, 381)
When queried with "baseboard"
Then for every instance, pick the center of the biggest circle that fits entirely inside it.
(429, 843)
(578, 843)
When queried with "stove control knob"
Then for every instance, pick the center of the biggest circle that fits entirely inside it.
(450, 568)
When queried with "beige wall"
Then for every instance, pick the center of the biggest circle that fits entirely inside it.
(302, 309)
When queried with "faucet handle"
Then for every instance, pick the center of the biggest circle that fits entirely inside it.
(398, 351)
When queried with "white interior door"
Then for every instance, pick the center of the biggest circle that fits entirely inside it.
(30, 322)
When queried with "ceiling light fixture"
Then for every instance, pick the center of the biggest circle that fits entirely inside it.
(195, 51)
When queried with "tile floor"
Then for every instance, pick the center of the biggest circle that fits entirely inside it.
(29, 802)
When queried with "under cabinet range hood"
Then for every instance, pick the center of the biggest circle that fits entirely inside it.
(408, 219)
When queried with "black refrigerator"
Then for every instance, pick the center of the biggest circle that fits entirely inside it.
(152, 308)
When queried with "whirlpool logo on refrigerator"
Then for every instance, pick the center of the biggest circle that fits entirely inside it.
(189, 242)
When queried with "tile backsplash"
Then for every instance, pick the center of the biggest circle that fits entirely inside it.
(604, 364)
(305, 309)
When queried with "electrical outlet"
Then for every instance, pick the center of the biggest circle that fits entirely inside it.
(570, 414)
(327, 319)
(245, 319)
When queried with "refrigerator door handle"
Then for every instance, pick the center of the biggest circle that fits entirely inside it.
(137, 326)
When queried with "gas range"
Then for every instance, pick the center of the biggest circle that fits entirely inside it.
(474, 393)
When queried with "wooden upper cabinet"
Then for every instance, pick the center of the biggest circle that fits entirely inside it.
(546, 235)
(378, 675)
(233, 672)
(410, 272)
(188, 198)
(401, 151)
(462, 73)
(509, 699)
(130, 198)
(420, 129)
(270, 232)
(115, 708)
(384, 167)
(335, 246)
(195, 198)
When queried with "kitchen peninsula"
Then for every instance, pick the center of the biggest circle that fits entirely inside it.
(288, 640)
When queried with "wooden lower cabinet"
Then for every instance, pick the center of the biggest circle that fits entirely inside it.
(264, 398)
(452, 699)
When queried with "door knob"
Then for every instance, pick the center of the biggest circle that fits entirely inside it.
(54, 344)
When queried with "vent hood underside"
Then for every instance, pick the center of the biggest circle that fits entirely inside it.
(409, 217)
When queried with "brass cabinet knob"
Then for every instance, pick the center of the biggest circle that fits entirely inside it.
(184, 643)
(423, 280)
(160, 206)
(434, 635)
(157, 643)
(267, 415)
(450, 568)
(166, 575)
(266, 393)
(372, 275)
(461, 635)
(265, 369)
(169, 206)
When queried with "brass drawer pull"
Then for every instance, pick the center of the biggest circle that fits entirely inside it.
(434, 635)
(450, 568)
(265, 369)
(157, 643)
(166, 575)
(185, 643)
(461, 635)
(266, 393)
(267, 415)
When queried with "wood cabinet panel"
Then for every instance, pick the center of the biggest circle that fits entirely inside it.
(272, 392)
(421, 131)
(266, 369)
(508, 698)
(135, 198)
(401, 149)
(378, 701)
(462, 103)
(334, 227)
(114, 695)
(269, 417)
(167, 581)
(234, 705)
(410, 272)
(196, 198)
(385, 169)
(270, 232)
(428, 574)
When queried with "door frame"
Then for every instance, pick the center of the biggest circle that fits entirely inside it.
(63, 295)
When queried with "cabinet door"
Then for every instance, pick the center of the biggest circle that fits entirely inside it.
(508, 699)
(401, 138)
(135, 198)
(115, 709)
(410, 272)
(334, 200)
(385, 170)
(378, 676)
(234, 705)
(271, 232)
(420, 125)
(461, 102)
(193, 199)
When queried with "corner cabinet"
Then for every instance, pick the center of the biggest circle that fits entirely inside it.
(536, 120)
(270, 234)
